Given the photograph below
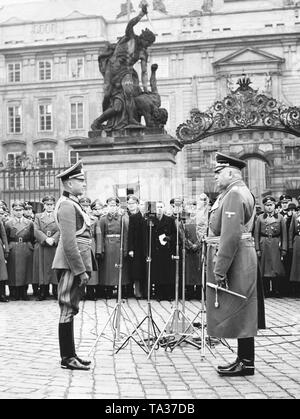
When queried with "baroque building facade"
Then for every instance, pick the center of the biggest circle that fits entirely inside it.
(51, 88)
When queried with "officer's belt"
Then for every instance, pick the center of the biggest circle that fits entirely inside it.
(113, 235)
(84, 240)
(216, 239)
(19, 240)
(270, 235)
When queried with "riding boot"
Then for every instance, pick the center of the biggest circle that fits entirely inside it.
(12, 293)
(23, 293)
(3, 298)
(35, 289)
(42, 293)
(246, 350)
(66, 341)
(54, 291)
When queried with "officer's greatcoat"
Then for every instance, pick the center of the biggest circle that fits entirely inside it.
(20, 237)
(193, 254)
(271, 238)
(44, 227)
(3, 250)
(294, 244)
(111, 227)
(231, 254)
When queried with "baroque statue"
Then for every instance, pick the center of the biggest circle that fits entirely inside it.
(125, 102)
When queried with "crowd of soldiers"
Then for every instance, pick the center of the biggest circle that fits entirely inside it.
(150, 239)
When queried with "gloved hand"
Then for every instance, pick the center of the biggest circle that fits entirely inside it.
(258, 252)
(221, 281)
(283, 253)
(131, 253)
(84, 279)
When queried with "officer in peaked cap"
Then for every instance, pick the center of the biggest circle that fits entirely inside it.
(48, 199)
(224, 160)
(232, 265)
(269, 200)
(74, 261)
(46, 233)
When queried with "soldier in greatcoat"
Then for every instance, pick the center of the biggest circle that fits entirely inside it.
(232, 266)
(4, 252)
(193, 246)
(89, 207)
(294, 246)
(46, 233)
(74, 261)
(110, 249)
(20, 237)
(163, 249)
(137, 247)
(271, 246)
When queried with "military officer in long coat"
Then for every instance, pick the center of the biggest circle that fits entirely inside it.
(46, 233)
(232, 265)
(163, 249)
(137, 247)
(89, 207)
(271, 246)
(113, 225)
(294, 246)
(4, 252)
(74, 261)
(20, 237)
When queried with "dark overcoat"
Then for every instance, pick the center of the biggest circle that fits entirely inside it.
(96, 243)
(3, 251)
(162, 267)
(271, 238)
(294, 245)
(231, 254)
(192, 254)
(110, 226)
(137, 242)
(20, 237)
(44, 227)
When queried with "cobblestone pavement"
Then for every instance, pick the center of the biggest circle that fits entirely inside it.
(29, 356)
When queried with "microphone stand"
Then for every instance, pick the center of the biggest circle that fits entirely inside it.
(119, 311)
(175, 336)
(152, 329)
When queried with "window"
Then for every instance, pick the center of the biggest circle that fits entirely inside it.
(209, 157)
(45, 70)
(292, 153)
(77, 115)
(11, 160)
(73, 157)
(45, 117)
(14, 72)
(14, 119)
(15, 179)
(76, 68)
(46, 158)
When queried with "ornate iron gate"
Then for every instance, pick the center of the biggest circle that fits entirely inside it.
(29, 184)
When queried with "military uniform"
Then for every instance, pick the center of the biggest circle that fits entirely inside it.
(271, 240)
(4, 252)
(294, 245)
(45, 228)
(74, 261)
(193, 247)
(231, 259)
(111, 228)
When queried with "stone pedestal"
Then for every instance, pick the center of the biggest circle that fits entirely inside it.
(140, 159)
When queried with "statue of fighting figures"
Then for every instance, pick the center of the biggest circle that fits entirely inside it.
(124, 100)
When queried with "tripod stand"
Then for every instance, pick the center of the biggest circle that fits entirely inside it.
(152, 328)
(175, 336)
(119, 311)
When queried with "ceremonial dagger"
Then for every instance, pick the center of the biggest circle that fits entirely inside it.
(217, 288)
